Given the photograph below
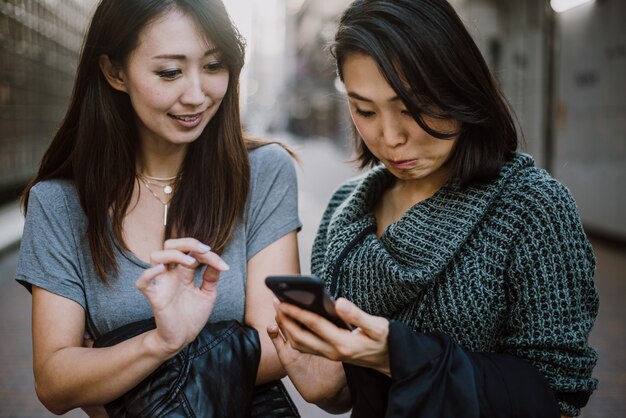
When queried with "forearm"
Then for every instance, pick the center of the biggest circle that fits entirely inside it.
(327, 387)
(270, 368)
(76, 376)
(338, 403)
(259, 312)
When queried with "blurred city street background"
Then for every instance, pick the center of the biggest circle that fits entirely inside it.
(562, 72)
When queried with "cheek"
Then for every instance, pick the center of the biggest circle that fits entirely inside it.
(149, 96)
(365, 135)
(217, 86)
(363, 129)
(442, 148)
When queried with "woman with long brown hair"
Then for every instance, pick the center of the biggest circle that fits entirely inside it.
(151, 201)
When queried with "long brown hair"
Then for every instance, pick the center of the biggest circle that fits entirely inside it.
(97, 142)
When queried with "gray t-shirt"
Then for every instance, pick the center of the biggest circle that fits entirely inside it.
(55, 252)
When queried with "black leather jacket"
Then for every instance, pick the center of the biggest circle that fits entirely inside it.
(211, 377)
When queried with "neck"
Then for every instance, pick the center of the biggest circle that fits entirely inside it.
(160, 165)
(421, 189)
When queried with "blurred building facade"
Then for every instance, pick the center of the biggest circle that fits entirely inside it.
(564, 76)
(315, 107)
(562, 73)
(39, 45)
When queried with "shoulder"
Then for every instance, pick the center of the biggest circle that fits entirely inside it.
(54, 193)
(344, 191)
(539, 205)
(54, 212)
(269, 157)
(57, 202)
(272, 170)
(341, 197)
(53, 187)
(533, 188)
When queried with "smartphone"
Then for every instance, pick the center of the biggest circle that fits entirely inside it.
(308, 293)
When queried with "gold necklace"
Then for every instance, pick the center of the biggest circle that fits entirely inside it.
(163, 182)
(164, 203)
(158, 178)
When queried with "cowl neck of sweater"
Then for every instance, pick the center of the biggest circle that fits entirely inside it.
(414, 250)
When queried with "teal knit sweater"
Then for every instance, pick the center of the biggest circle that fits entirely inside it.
(501, 267)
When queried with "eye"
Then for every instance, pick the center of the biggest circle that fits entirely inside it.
(170, 74)
(214, 67)
(406, 113)
(364, 113)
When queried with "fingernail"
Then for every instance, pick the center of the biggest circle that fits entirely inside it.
(204, 248)
(159, 267)
(190, 259)
(222, 265)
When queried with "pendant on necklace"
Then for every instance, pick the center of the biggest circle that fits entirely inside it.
(165, 214)
(167, 190)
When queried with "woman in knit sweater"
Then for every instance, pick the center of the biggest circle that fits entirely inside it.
(463, 266)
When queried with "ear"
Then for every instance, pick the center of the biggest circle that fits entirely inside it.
(113, 73)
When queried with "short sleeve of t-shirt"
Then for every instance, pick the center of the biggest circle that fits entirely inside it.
(48, 254)
(273, 207)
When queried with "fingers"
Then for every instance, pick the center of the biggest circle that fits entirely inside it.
(375, 327)
(310, 338)
(312, 321)
(148, 275)
(213, 261)
(200, 251)
(210, 278)
(286, 354)
(191, 253)
(175, 257)
(186, 245)
(366, 345)
(187, 253)
(277, 339)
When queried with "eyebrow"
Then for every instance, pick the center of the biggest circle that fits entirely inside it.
(365, 99)
(182, 57)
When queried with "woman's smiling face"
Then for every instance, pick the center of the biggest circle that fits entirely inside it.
(175, 79)
(388, 129)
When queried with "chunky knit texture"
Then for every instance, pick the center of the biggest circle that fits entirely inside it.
(501, 267)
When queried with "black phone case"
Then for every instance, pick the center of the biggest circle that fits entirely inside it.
(306, 292)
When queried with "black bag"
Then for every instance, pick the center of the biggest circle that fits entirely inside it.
(212, 377)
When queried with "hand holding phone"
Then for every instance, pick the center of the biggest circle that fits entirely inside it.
(306, 292)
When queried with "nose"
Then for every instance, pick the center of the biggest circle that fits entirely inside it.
(393, 131)
(193, 93)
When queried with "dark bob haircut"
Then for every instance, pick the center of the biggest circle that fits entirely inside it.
(431, 61)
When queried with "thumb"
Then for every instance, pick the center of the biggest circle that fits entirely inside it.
(373, 326)
(210, 278)
(277, 339)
